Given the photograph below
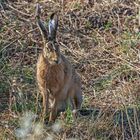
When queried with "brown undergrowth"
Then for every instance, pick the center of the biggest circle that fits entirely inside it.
(101, 39)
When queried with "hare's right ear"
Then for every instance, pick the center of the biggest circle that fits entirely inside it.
(53, 24)
(40, 23)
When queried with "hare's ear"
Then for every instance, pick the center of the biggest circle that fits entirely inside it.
(53, 24)
(40, 23)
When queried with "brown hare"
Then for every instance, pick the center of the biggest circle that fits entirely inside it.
(58, 82)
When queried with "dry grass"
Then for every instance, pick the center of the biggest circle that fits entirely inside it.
(101, 39)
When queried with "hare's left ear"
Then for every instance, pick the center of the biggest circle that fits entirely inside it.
(53, 24)
(40, 23)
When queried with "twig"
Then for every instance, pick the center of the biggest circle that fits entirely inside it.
(25, 14)
(17, 39)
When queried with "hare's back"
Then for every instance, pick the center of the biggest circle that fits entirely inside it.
(71, 70)
(67, 65)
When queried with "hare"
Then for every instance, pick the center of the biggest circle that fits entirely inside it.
(57, 80)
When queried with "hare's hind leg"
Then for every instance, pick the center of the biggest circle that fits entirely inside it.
(78, 99)
(75, 96)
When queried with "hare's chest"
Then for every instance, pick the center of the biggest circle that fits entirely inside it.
(55, 80)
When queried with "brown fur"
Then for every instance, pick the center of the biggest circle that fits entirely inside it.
(63, 83)
(57, 80)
